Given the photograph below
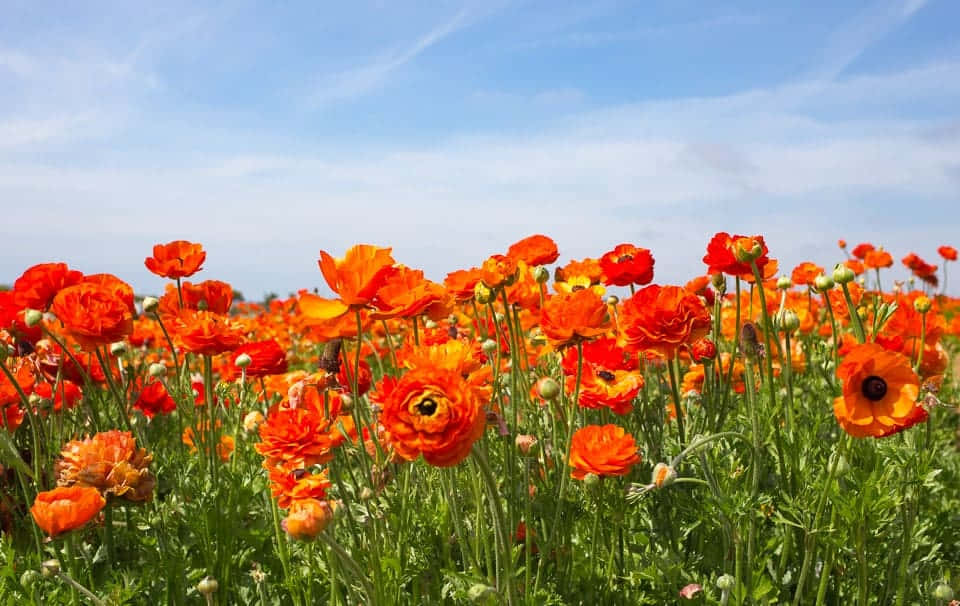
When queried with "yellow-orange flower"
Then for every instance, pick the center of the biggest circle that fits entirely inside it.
(570, 317)
(64, 509)
(208, 333)
(356, 277)
(879, 393)
(662, 318)
(606, 450)
(307, 518)
(296, 438)
(110, 462)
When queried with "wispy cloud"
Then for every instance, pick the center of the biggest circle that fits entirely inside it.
(368, 77)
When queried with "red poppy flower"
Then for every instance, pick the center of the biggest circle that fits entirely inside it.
(662, 318)
(266, 358)
(948, 252)
(154, 399)
(627, 264)
(38, 285)
(92, 315)
(725, 254)
(860, 250)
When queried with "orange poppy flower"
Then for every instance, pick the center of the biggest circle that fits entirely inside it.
(498, 270)
(805, 273)
(64, 509)
(534, 250)
(110, 462)
(307, 518)
(356, 277)
(431, 412)
(662, 318)
(606, 450)
(38, 285)
(111, 283)
(289, 486)
(948, 252)
(266, 358)
(602, 388)
(92, 315)
(627, 264)
(209, 295)
(406, 293)
(877, 259)
(68, 394)
(604, 353)
(571, 317)
(177, 259)
(461, 283)
(879, 393)
(224, 448)
(723, 252)
(22, 371)
(855, 266)
(587, 267)
(296, 438)
(525, 292)
(207, 333)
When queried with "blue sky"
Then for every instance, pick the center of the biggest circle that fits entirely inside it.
(451, 129)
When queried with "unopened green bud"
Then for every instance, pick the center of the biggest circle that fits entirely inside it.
(726, 582)
(548, 388)
(922, 304)
(784, 282)
(32, 317)
(118, 348)
(208, 585)
(613, 300)
(943, 592)
(29, 578)
(591, 480)
(481, 593)
(50, 568)
(157, 370)
(823, 283)
(788, 320)
(843, 274)
(483, 293)
(150, 304)
(541, 274)
(243, 360)
(489, 346)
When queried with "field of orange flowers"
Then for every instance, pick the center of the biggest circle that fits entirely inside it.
(523, 433)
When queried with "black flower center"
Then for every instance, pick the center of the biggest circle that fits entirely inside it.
(606, 375)
(427, 407)
(625, 258)
(874, 388)
(578, 287)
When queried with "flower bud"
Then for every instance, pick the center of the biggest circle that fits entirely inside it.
(843, 274)
(157, 370)
(823, 283)
(150, 304)
(788, 320)
(307, 518)
(32, 317)
(499, 317)
(591, 480)
(34, 400)
(922, 304)
(548, 388)
(726, 582)
(29, 578)
(784, 282)
(613, 300)
(746, 250)
(118, 348)
(346, 403)
(366, 494)
(483, 293)
(50, 568)
(842, 243)
(703, 349)
(489, 346)
(243, 360)
(208, 585)
(252, 421)
(481, 593)
(526, 444)
(541, 274)
(943, 592)
(663, 475)
(719, 282)
(429, 324)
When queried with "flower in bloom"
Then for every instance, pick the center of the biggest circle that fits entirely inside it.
(113, 284)
(177, 259)
(432, 412)
(93, 315)
(356, 277)
(948, 252)
(860, 250)
(345, 377)
(805, 273)
(602, 388)
(154, 399)
(406, 293)
(498, 270)
(879, 393)
(571, 317)
(296, 485)
(266, 358)
(662, 318)
(606, 450)
(725, 254)
(590, 268)
(110, 462)
(38, 285)
(307, 518)
(68, 394)
(207, 333)
(461, 283)
(534, 250)
(209, 295)
(627, 264)
(66, 508)
(296, 438)
(877, 258)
